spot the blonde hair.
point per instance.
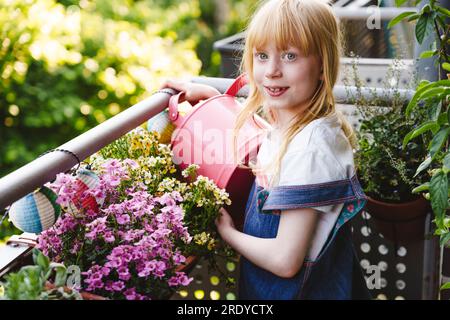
(310, 26)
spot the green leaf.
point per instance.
(446, 161)
(429, 125)
(439, 194)
(422, 87)
(445, 286)
(428, 54)
(421, 188)
(413, 17)
(422, 83)
(407, 138)
(444, 11)
(56, 265)
(444, 239)
(423, 26)
(438, 141)
(425, 164)
(399, 18)
(61, 276)
(435, 111)
(446, 66)
(431, 93)
(41, 260)
(443, 118)
(398, 3)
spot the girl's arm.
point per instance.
(283, 255)
(194, 92)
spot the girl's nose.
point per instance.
(273, 70)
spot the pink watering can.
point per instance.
(204, 136)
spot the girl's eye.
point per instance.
(261, 56)
(290, 56)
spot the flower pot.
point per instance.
(187, 266)
(400, 222)
(91, 296)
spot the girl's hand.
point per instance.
(224, 222)
(194, 92)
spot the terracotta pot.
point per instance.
(187, 266)
(91, 296)
(400, 222)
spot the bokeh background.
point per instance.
(66, 66)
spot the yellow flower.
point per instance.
(211, 244)
(2, 291)
(201, 238)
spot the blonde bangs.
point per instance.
(274, 24)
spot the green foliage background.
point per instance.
(66, 66)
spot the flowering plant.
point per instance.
(131, 231)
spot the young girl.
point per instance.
(296, 242)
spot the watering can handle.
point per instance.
(173, 106)
(238, 83)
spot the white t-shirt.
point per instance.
(319, 153)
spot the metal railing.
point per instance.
(44, 169)
(363, 13)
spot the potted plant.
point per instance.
(385, 169)
(131, 224)
(433, 96)
(32, 282)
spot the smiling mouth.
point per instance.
(275, 91)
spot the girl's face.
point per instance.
(286, 79)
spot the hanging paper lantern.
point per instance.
(86, 180)
(36, 211)
(161, 124)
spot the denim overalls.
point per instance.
(336, 273)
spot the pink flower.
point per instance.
(124, 273)
(118, 286)
(123, 218)
(108, 286)
(160, 268)
(147, 269)
(105, 271)
(180, 278)
(178, 258)
(96, 227)
(109, 237)
(130, 294)
(166, 199)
